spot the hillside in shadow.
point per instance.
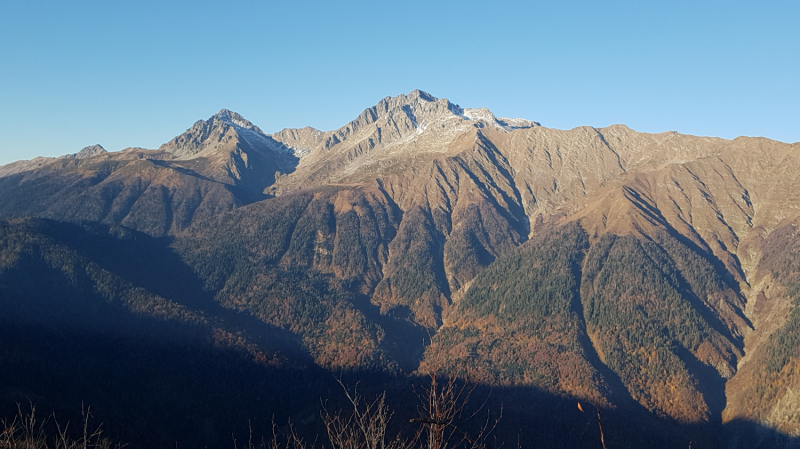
(154, 393)
(115, 319)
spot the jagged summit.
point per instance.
(421, 94)
(235, 119)
(230, 149)
(405, 124)
(221, 132)
(418, 108)
(423, 112)
(416, 124)
(92, 150)
(415, 98)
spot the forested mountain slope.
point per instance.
(647, 273)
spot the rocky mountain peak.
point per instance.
(230, 149)
(418, 106)
(235, 119)
(396, 128)
(91, 150)
(222, 131)
(417, 93)
(423, 109)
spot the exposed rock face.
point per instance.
(92, 150)
(629, 269)
(216, 134)
(395, 132)
(231, 150)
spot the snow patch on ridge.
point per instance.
(241, 123)
(509, 124)
(479, 114)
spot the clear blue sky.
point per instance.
(137, 73)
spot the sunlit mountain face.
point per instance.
(233, 276)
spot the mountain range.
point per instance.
(653, 275)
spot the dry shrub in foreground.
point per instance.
(289, 440)
(442, 414)
(364, 426)
(26, 431)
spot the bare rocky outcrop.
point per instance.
(90, 151)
